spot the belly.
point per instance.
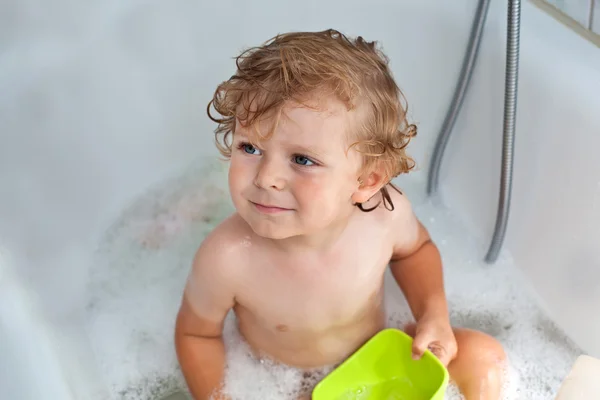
(301, 341)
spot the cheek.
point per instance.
(238, 174)
(321, 193)
(310, 186)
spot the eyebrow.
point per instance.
(246, 137)
(307, 150)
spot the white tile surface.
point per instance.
(596, 19)
(579, 10)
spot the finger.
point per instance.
(420, 344)
(441, 353)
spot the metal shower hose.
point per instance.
(510, 106)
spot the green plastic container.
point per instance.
(383, 369)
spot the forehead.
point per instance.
(323, 124)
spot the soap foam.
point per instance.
(143, 262)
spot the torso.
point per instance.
(315, 310)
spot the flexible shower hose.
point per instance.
(510, 113)
(459, 94)
(510, 106)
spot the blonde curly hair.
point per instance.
(293, 66)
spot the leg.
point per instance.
(480, 364)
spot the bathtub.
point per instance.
(100, 102)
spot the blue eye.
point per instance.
(301, 160)
(248, 148)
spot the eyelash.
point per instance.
(241, 146)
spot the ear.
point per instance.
(369, 184)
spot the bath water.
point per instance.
(142, 263)
(383, 391)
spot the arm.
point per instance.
(417, 268)
(200, 354)
(416, 265)
(207, 298)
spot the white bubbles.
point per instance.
(496, 300)
(142, 265)
(138, 278)
(452, 393)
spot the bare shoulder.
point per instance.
(213, 282)
(394, 210)
(217, 269)
(404, 228)
(402, 211)
(223, 246)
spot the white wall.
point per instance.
(100, 99)
(554, 228)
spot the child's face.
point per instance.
(299, 181)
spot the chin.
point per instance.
(268, 231)
(276, 228)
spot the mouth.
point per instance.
(269, 209)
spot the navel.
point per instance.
(282, 328)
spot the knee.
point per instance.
(480, 363)
(480, 347)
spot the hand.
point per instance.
(435, 334)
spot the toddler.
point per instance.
(315, 128)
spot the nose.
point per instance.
(270, 175)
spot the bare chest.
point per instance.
(316, 293)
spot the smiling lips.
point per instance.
(268, 209)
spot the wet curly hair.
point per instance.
(296, 66)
